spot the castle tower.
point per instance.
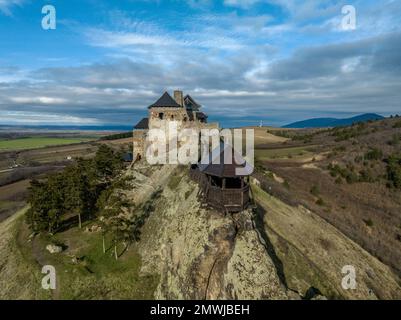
(179, 97)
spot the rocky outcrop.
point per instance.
(274, 252)
(201, 254)
(52, 248)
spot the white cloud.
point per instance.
(103, 38)
(240, 3)
(234, 64)
(6, 5)
(34, 118)
(38, 100)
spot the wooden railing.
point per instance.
(228, 197)
(222, 199)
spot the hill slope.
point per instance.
(188, 251)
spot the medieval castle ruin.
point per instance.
(184, 111)
(221, 186)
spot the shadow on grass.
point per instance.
(259, 214)
(72, 222)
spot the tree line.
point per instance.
(86, 190)
(118, 136)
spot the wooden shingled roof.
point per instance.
(165, 101)
(224, 169)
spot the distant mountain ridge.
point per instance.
(333, 122)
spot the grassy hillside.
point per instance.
(325, 200)
(20, 276)
(183, 244)
(313, 252)
(344, 176)
(82, 271)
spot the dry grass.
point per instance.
(19, 277)
(345, 205)
(321, 251)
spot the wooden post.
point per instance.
(224, 183)
(242, 193)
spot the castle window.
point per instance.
(161, 115)
(172, 117)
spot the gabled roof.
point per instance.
(225, 169)
(201, 115)
(191, 103)
(165, 101)
(143, 124)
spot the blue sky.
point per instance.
(244, 61)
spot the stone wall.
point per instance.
(160, 118)
(139, 137)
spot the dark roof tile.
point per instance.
(143, 124)
(165, 101)
(191, 104)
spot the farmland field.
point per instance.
(37, 142)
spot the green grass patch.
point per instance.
(4, 204)
(83, 271)
(38, 142)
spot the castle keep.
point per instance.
(220, 185)
(185, 111)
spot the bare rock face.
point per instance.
(53, 248)
(251, 273)
(201, 254)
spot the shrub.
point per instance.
(315, 190)
(368, 222)
(286, 184)
(394, 170)
(339, 180)
(366, 176)
(374, 154)
(397, 125)
(351, 178)
(346, 173)
(320, 202)
(395, 140)
(342, 134)
(118, 136)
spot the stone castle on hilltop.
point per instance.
(221, 186)
(185, 111)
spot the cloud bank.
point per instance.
(240, 64)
